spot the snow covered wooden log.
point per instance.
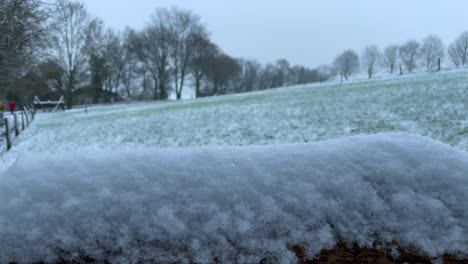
(236, 204)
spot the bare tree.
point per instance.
(325, 72)
(282, 73)
(250, 74)
(370, 58)
(185, 28)
(204, 55)
(409, 54)
(266, 76)
(153, 47)
(131, 67)
(223, 70)
(105, 53)
(22, 37)
(432, 51)
(458, 51)
(95, 50)
(347, 63)
(390, 56)
(115, 60)
(70, 23)
(453, 55)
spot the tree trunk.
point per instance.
(157, 89)
(162, 75)
(69, 95)
(401, 70)
(182, 79)
(216, 86)
(198, 77)
(128, 90)
(162, 87)
(438, 64)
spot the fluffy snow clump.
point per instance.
(235, 204)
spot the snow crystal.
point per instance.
(235, 204)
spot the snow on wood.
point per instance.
(235, 203)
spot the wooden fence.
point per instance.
(13, 126)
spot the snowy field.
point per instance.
(432, 105)
(114, 183)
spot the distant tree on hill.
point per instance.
(105, 56)
(131, 65)
(69, 38)
(185, 29)
(152, 47)
(325, 72)
(370, 59)
(115, 60)
(409, 54)
(347, 63)
(223, 71)
(458, 51)
(250, 74)
(266, 76)
(282, 73)
(453, 55)
(95, 51)
(432, 50)
(138, 76)
(390, 56)
(204, 55)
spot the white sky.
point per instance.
(307, 32)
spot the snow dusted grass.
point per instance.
(102, 185)
(433, 105)
(234, 204)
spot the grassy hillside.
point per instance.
(433, 105)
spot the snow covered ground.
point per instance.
(113, 184)
(237, 204)
(433, 105)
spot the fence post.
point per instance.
(27, 118)
(7, 134)
(31, 111)
(15, 124)
(22, 120)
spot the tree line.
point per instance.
(428, 54)
(59, 49)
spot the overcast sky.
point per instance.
(307, 32)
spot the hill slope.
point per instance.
(433, 105)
